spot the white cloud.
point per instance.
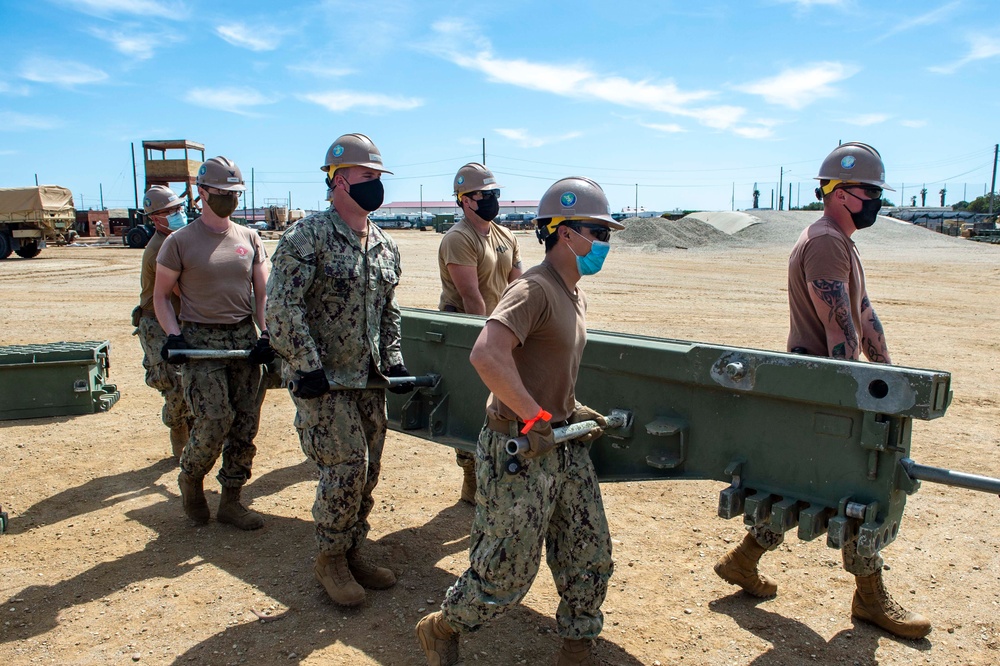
(13, 90)
(249, 37)
(233, 100)
(757, 132)
(320, 71)
(866, 119)
(799, 87)
(915, 124)
(344, 100)
(927, 18)
(575, 80)
(60, 72)
(667, 128)
(525, 140)
(981, 47)
(135, 44)
(11, 121)
(175, 10)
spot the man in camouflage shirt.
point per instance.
(333, 317)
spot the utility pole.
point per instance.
(732, 202)
(484, 151)
(253, 200)
(789, 196)
(798, 196)
(637, 199)
(993, 185)
(421, 204)
(781, 181)
(101, 185)
(289, 200)
(135, 178)
(36, 180)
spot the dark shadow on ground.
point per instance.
(793, 642)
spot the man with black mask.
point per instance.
(477, 259)
(832, 316)
(333, 318)
(219, 269)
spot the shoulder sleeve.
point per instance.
(170, 256)
(523, 307)
(291, 277)
(456, 248)
(260, 254)
(826, 257)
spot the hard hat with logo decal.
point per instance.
(474, 177)
(353, 150)
(574, 198)
(160, 197)
(854, 162)
(222, 174)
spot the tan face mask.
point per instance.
(223, 205)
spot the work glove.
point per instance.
(584, 413)
(311, 384)
(399, 370)
(262, 352)
(174, 342)
(541, 439)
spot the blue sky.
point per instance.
(676, 102)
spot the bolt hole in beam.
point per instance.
(878, 389)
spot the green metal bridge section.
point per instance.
(802, 442)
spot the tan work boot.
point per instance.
(332, 571)
(233, 513)
(178, 439)
(469, 485)
(739, 567)
(578, 652)
(367, 574)
(438, 639)
(193, 497)
(872, 603)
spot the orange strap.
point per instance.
(542, 415)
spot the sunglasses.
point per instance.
(479, 195)
(598, 231)
(871, 191)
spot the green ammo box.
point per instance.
(55, 379)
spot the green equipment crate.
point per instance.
(55, 379)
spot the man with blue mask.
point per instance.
(528, 355)
(166, 211)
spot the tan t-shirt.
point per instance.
(494, 257)
(148, 276)
(551, 324)
(216, 268)
(822, 252)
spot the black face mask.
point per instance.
(488, 208)
(865, 217)
(369, 194)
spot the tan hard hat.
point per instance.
(575, 198)
(353, 150)
(474, 177)
(160, 197)
(222, 174)
(854, 162)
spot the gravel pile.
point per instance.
(776, 228)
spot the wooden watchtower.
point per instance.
(163, 169)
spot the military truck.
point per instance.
(32, 216)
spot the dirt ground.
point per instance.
(100, 566)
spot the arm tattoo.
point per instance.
(832, 293)
(875, 347)
(865, 303)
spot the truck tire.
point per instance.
(28, 250)
(5, 248)
(136, 238)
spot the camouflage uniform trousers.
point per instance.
(555, 500)
(343, 432)
(222, 396)
(162, 376)
(853, 562)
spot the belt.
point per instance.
(219, 327)
(512, 428)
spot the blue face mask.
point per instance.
(176, 220)
(593, 261)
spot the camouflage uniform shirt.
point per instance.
(332, 301)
